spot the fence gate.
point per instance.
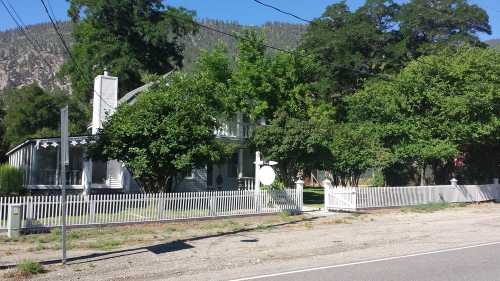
(340, 198)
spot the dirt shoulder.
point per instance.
(233, 248)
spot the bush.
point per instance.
(30, 267)
(11, 180)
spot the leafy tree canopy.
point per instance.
(354, 149)
(296, 144)
(427, 26)
(261, 82)
(169, 130)
(382, 36)
(127, 37)
(438, 105)
(32, 112)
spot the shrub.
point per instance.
(11, 180)
(30, 267)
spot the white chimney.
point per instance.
(105, 99)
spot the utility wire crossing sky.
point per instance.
(247, 12)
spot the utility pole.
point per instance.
(64, 163)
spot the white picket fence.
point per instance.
(45, 211)
(354, 198)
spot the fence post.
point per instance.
(299, 189)
(14, 220)
(327, 184)
(355, 198)
(496, 186)
(454, 182)
(29, 212)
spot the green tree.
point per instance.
(354, 149)
(429, 25)
(130, 38)
(352, 46)
(296, 144)
(437, 107)
(169, 130)
(381, 37)
(32, 112)
(263, 82)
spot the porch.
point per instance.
(40, 161)
(236, 173)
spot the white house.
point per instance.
(39, 158)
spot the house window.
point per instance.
(188, 174)
(46, 167)
(75, 168)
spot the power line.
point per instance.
(229, 34)
(282, 11)
(24, 32)
(52, 11)
(310, 21)
(66, 48)
(362, 73)
(60, 36)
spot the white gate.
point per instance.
(340, 198)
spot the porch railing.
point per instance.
(51, 177)
(235, 130)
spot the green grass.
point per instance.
(314, 197)
(105, 245)
(430, 208)
(30, 267)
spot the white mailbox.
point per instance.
(14, 220)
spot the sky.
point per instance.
(246, 12)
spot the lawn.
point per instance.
(314, 197)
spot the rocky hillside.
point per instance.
(21, 65)
(495, 43)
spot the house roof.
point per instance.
(46, 140)
(130, 96)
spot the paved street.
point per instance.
(477, 263)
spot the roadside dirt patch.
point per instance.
(231, 248)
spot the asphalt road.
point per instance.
(475, 262)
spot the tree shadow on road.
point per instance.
(162, 248)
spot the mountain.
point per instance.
(495, 43)
(20, 64)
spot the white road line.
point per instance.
(368, 261)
